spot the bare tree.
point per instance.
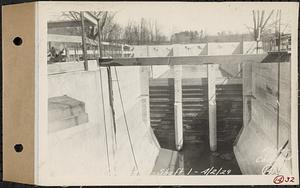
(259, 23)
(267, 31)
(107, 26)
(144, 32)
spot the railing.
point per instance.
(63, 48)
(275, 43)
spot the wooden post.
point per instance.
(94, 52)
(113, 144)
(67, 52)
(212, 112)
(122, 50)
(178, 107)
(242, 46)
(99, 39)
(83, 41)
(75, 52)
(113, 117)
(279, 34)
(104, 51)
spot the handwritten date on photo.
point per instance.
(208, 171)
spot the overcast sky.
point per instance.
(211, 17)
(172, 17)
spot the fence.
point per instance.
(65, 48)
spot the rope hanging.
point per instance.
(111, 99)
(125, 119)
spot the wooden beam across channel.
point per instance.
(183, 60)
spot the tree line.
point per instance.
(146, 31)
(134, 32)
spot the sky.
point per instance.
(172, 17)
(211, 17)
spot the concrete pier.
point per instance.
(212, 110)
(178, 107)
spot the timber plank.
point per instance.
(183, 60)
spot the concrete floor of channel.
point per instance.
(197, 159)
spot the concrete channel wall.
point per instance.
(264, 141)
(211, 48)
(133, 125)
(92, 150)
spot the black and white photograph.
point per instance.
(168, 89)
